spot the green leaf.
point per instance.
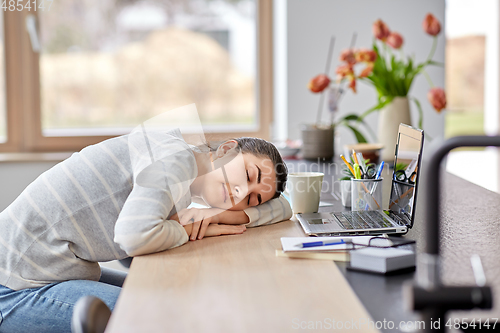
(350, 117)
(393, 63)
(436, 63)
(400, 166)
(345, 178)
(420, 112)
(357, 119)
(409, 67)
(383, 101)
(360, 137)
(347, 172)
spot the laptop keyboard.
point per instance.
(363, 220)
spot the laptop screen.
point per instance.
(405, 174)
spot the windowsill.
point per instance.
(34, 157)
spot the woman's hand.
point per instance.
(218, 229)
(200, 218)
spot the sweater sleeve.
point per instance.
(270, 212)
(143, 227)
(158, 191)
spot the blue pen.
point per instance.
(312, 244)
(379, 171)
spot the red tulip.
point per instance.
(437, 98)
(380, 30)
(366, 55)
(348, 56)
(395, 40)
(431, 25)
(319, 83)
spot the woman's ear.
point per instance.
(226, 147)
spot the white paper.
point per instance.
(289, 244)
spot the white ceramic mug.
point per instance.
(304, 189)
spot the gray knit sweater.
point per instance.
(109, 201)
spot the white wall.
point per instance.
(309, 25)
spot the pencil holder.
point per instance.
(345, 192)
(366, 194)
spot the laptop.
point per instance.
(399, 216)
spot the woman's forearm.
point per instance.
(233, 217)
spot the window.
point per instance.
(472, 87)
(465, 67)
(103, 67)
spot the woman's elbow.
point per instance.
(136, 245)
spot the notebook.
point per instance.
(399, 216)
(291, 248)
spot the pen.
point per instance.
(379, 171)
(348, 165)
(321, 243)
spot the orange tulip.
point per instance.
(431, 25)
(380, 30)
(348, 56)
(345, 70)
(319, 83)
(352, 84)
(367, 71)
(395, 40)
(366, 55)
(437, 98)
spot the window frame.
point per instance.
(24, 124)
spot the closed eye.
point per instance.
(248, 178)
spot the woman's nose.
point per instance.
(240, 191)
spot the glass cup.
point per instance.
(304, 189)
(366, 194)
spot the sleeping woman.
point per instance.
(125, 197)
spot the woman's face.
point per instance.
(239, 181)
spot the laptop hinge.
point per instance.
(397, 219)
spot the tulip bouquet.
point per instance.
(390, 74)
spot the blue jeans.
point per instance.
(49, 308)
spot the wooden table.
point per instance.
(235, 284)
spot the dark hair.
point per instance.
(261, 147)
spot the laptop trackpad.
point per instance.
(322, 222)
